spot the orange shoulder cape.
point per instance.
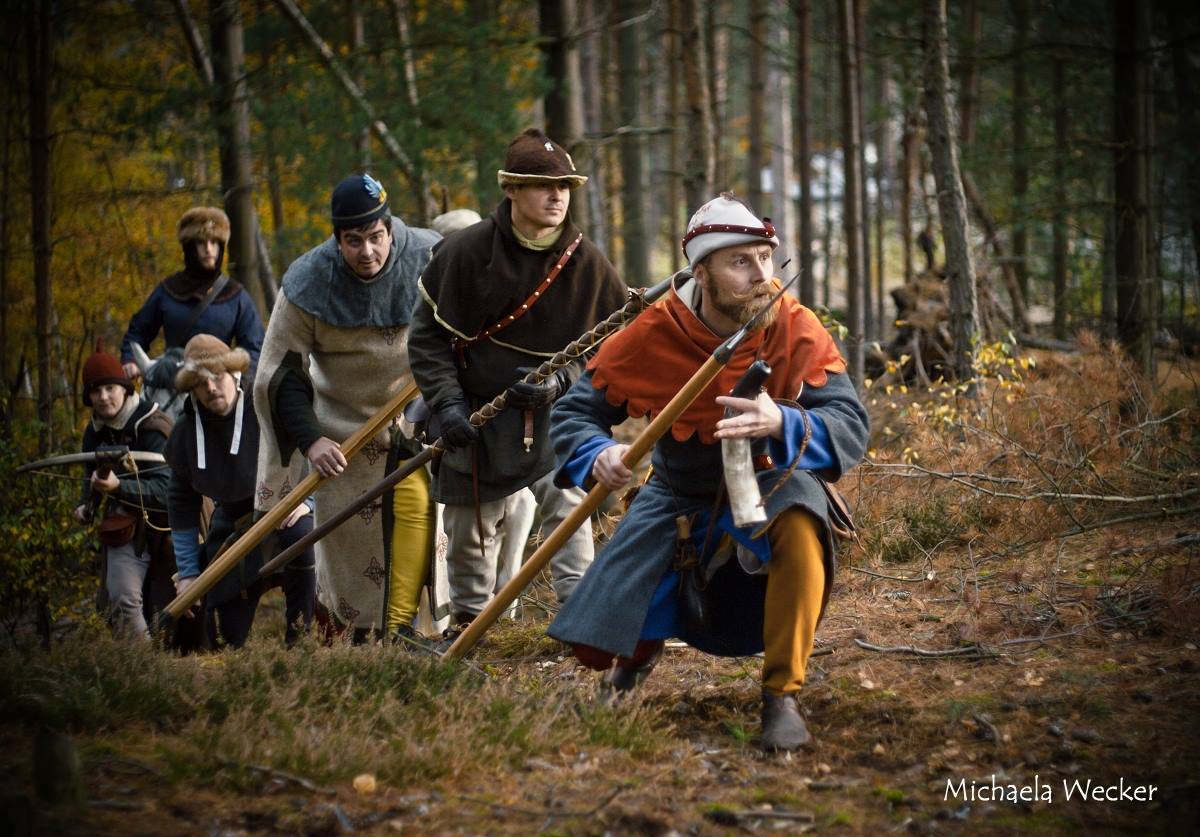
(644, 365)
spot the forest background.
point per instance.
(1023, 595)
(1075, 127)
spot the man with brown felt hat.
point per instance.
(199, 299)
(136, 554)
(497, 299)
(213, 453)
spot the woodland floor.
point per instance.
(1063, 657)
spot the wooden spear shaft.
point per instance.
(229, 559)
(640, 447)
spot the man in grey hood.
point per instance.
(336, 351)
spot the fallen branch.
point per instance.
(960, 479)
(282, 775)
(972, 650)
(924, 577)
(867, 464)
(1182, 540)
(723, 816)
(548, 814)
(1160, 514)
(987, 724)
(1026, 640)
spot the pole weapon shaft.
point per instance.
(639, 301)
(229, 559)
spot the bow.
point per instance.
(108, 455)
(637, 449)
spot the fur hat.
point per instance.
(206, 357)
(358, 201)
(100, 369)
(454, 220)
(724, 222)
(533, 157)
(203, 223)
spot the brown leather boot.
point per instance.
(783, 726)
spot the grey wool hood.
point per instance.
(322, 284)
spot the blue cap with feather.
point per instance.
(357, 201)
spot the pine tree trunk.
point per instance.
(11, 108)
(779, 87)
(852, 194)
(717, 49)
(698, 166)
(591, 75)
(1020, 165)
(1183, 66)
(756, 139)
(672, 39)
(232, 111)
(419, 179)
(1061, 151)
(883, 175)
(827, 235)
(563, 102)
(1134, 315)
(358, 42)
(802, 133)
(969, 83)
(40, 57)
(952, 203)
(633, 190)
(860, 48)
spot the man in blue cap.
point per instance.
(336, 351)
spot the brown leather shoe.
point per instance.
(783, 726)
(619, 681)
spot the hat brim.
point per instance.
(509, 178)
(210, 366)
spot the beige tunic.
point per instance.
(354, 372)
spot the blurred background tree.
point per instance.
(1076, 133)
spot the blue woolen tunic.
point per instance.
(628, 592)
(234, 320)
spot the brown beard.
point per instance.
(741, 308)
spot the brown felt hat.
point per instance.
(206, 357)
(203, 223)
(533, 157)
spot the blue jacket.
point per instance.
(234, 320)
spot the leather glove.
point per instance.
(457, 430)
(525, 396)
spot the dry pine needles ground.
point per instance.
(1021, 602)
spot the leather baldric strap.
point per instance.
(208, 300)
(460, 344)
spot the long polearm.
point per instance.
(640, 447)
(639, 300)
(229, 559)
